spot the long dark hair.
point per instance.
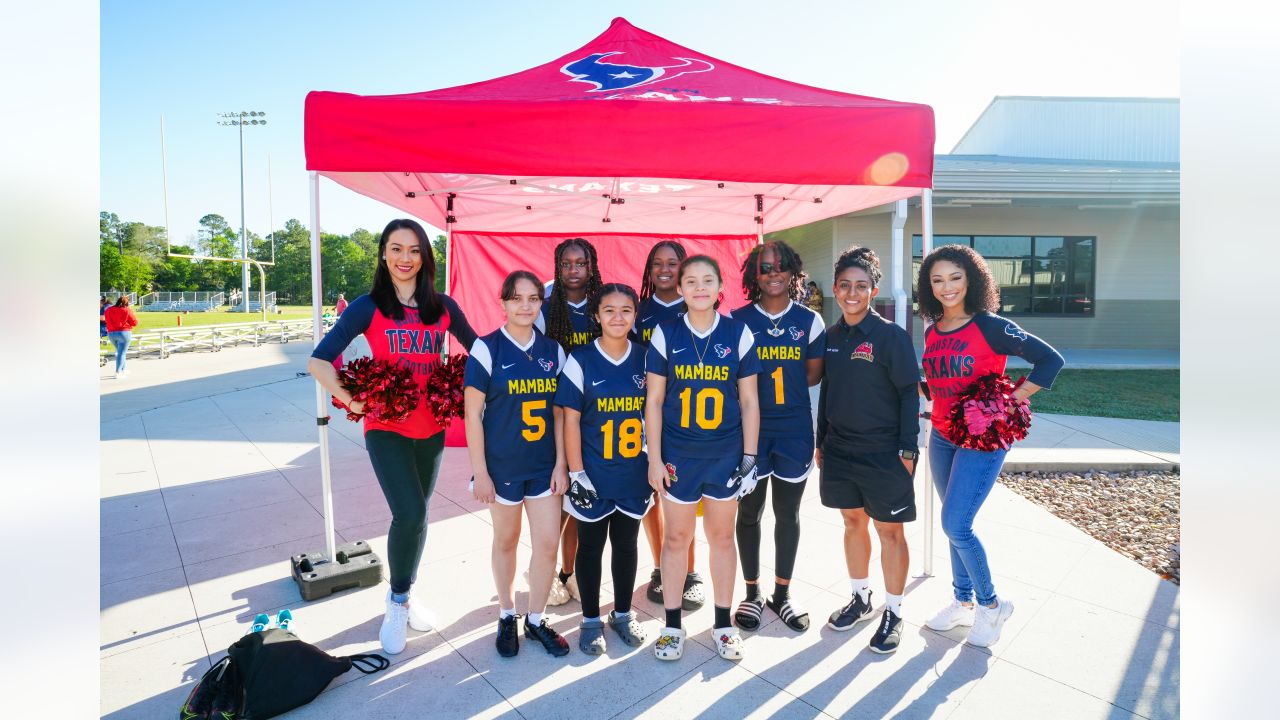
(508, 290)
(646, 284)
(383, 293)
(982, 293)
(122, 301)
(559, 328)
(787, 259)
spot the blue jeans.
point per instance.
(120, 339)
(964, 479)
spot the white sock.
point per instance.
(894, 603)
(535, 619)
(504, 613)
(861, 587)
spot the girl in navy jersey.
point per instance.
(966, 341)
(660, 300)
(515, 440)
(602, 393)
(565, 318)
(702, 419)
(404, 321)
(789, 340)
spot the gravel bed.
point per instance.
(1133, 513)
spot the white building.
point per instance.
(1074, 202)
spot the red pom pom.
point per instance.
(444, 389)
(389, 392)
(987, 417)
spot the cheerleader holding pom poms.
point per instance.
(702, 421)
(602, 393)
(515, 441)
(965, 345)
(404, 321)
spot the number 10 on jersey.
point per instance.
(710, 407)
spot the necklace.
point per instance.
(774, 331)
(693, 339)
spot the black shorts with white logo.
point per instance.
(878, 482)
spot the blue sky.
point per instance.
(190, 61)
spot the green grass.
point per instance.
(1134, 394)
(166, 320)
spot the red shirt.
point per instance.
(120, 318)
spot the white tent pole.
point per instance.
(900, 306)
(926, 246)
(322, 395)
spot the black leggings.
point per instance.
(786, 529)
(406, 469)
(621, 530)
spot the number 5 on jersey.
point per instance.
(537, 425)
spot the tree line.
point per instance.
(132, 258)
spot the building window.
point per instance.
(1038, 275)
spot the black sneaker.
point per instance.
(550, 639)
(508, 637)
(888, 634)
(855, 612)
(654, 593)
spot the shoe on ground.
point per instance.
(591, 637)
(654, 593)
(508, 636)
(284, 621)
(694, 595)
(988, 622)
(559, 594)
(572, 587)
(728, 642)
(670, 645)
(855, 612)
(791, 613)
(888, 633)
(749, 613)
(951, 616)
(395, 627)
(551, 640)
(628, 628)
(260, 622)
(420, 616)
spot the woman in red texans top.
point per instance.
(966, 341)
(404, 320)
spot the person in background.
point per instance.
(103, 304)
(341, 305)
(813, 300)
(120, 322)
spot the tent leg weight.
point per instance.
(356, 566)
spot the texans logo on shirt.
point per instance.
(638, 380)
(864, 352)
(1016, 332)
(796, 333)
(546, 364)
(721, 351)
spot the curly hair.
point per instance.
(559, 328)
(859, 257)
(788, 260)
(982, 294)
(646, 284)
(593, 305)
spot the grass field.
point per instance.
(1135, 394)
(165, 320)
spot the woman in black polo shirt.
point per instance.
(867, 427)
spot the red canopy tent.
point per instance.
(626, 140)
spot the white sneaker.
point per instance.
(420, 616)
(122, 374)
(395, 625)
(559, 594)
(988, 622)
(953, 615)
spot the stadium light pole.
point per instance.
(240, 119)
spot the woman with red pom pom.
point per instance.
(404, 321)
(966, 342)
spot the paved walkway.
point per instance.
(210, 482)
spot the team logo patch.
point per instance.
(864, 352)
(609, 76)
(671, 472)
(796, 333)
(546, 364)
(638, 380)
(1015, 332)
(721, 351)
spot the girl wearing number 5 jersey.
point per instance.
(702, 418)
(515, 440)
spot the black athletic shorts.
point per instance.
(878, 482)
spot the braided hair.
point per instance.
(646, 284)
(788, 260)
(559, 328)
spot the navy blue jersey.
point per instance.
(701, 417)
(584, 328)
(784, 343)
(610, 396)
(653, 311)
(519, 386)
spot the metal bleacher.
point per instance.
(181, 301)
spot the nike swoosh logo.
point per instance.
(646, 319)
(595, 383)
(504, 367)
(673, 352)
(756, 332)
(895, 512)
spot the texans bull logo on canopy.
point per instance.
(616, 76)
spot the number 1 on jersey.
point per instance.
(779, 398)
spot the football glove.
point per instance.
(581, 492)
(744, 477)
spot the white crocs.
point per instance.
(670, 645)
(728, 642)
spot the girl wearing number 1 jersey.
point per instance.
(702, 418)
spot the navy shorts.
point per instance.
(635, 507)
(514, 493)
(878, 482)
(696, 478)
(787, 459)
